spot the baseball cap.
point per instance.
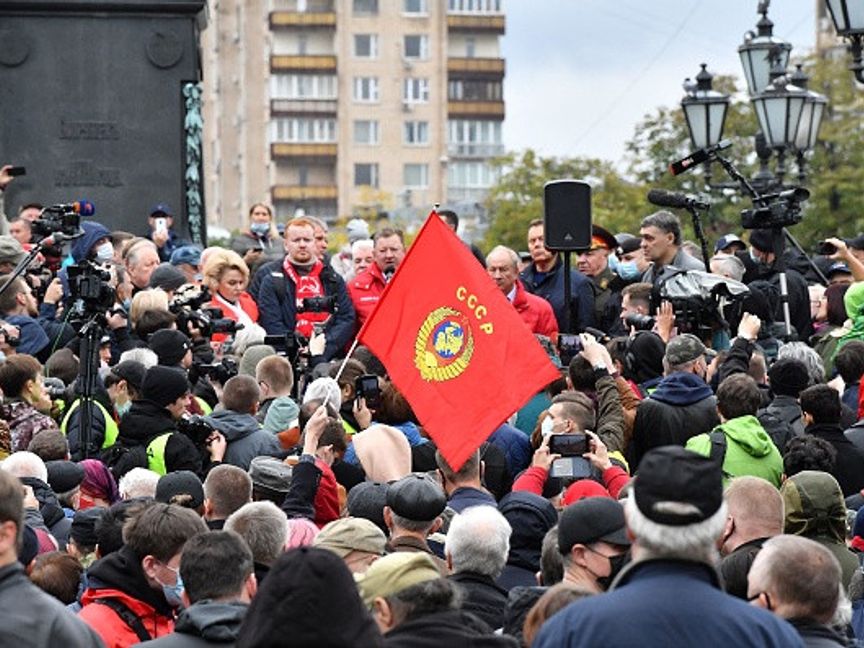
(180, 482)
(684, 348)
(83, 529)
(394, 573)
(161, 208)
(167, 277)
(64, 476)
(416, 497)
(131, 371)
(725, 241)
(349, 534)
(592, 519)
(856, 243)
(189, 254)
(838, 268)
(677, 487)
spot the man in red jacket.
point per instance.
(366, 288)
(135, 590)
(502, 264)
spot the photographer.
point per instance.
(150, 431)
(304, 294)
(38, 330)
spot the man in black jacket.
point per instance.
(216, 569)
(821, 409)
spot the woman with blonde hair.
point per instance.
(227, 275)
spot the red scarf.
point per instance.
(308, 285)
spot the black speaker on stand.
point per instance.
(567, 227)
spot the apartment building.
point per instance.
(346, 107)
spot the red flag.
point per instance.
(453, 344)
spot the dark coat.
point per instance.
(681, 407)
(817, 635)
(49, 507)
(530, 516)
(520, 600)
(550, 286)
(453, 628)
(206, 623)
(32, 618)
(666, 603)
(849, 467)
(278, 313)
(482, 597)
(145, 421)
(735, 567)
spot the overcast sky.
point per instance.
(582, 73)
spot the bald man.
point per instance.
(502, 264)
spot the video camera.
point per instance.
(776, 210)
(188, 306)
(90, 293)
(195, 428)
(220, 372)
(65, 219)
(324, 304)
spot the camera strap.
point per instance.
(718, 449)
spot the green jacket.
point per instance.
(749, 450)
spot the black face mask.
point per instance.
(616, 564)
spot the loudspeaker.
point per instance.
(567, 215)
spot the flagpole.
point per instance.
(342, 368)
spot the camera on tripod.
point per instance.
(89, 290)
(188, 306)
(783, 210)
(65, 219)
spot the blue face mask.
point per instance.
(123, 409)
(127, 304)
(174, 593)
(628, 270)
(259, 229)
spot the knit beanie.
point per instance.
(164, 385)
(788, 377)
(252, 356)
(170, 346)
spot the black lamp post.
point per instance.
(761, 52)
(848, 17)
(811, 120)
(705, 111)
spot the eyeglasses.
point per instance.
(768, 604)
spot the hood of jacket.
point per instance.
(49, 506)
(520, 600)
(93, 231)
(120, 575)
(853, 300)
(681, 388)
(33, 337)
(211, 621)
(281, 415)
(814, 506)
(748, 433)
(233, 425)
(144, 421)
(530, 516)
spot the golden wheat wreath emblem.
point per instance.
(444, 345)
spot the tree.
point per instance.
(517, 198)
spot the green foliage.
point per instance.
(517, 198)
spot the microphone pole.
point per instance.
(48, 241)
(700, 235)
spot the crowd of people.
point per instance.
(695, 476)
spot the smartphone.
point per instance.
(568, 445)
(575, 467)
(16, 171)
(367, 388)
(161, 225)
(825, 248)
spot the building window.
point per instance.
(416, 46)
(302, 86)
(415, 7)
(475, 137)
(471, 175)
(303, 130)
(471, 90)
(415, 176)
(366, 175)
(416, 133)
(302, 45)
(366, 131)
(303, 175)
(415, 90)
(366, 46)
(470, 47)
(365, 6)
(474, 6)
(366, 89)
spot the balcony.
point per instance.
(288, 19)
(475, 66)
(492, 24)
(489, 109)
(296, 192)
(305, 150)
(465, 150)
(299, 63)
(303, 106)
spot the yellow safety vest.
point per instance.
(156, 453)
(111, 429)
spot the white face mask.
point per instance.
(105, 252)
(546, 426)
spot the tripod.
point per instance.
(85, 384)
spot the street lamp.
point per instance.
(848, 19)
(704, 109)
(811, 120)
(761, 52)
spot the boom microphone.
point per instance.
(82, 207)
(698, 157)
(675, 200)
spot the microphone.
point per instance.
(675, 200)
(698, 157)
(82, 207)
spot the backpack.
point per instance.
(127, 616)
(120, 458)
